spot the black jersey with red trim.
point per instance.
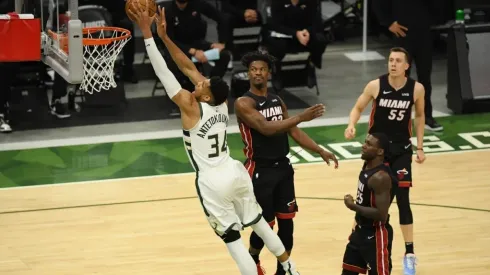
(391, 113)
(257, 145)
(365, 194)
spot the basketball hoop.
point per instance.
(101, 46)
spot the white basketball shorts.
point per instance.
(227, 196)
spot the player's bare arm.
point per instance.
(381, 185)
(369, 93)
(184, 99)
(245, 110)
(419, 99)
(305, 141)
(180, 58)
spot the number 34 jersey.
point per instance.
(205, 143)
(391, 113)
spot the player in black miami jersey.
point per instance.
(369, 247)
(393, 97)
(264, 125)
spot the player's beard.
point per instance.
(259, 86)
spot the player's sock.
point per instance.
(289, 267)
(409, 248)
(255, 258)
(240, 254)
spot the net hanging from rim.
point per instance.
(101, 47)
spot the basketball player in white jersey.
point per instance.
(223, 184)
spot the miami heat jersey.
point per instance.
(391, 113)
(365, 195)
(206, 142)
(257, 145)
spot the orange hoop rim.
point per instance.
(125, 34)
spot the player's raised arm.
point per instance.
(180, 58)
(369, 93)
(419, 94)
(245, 110)
(181, 97)
(381, 185)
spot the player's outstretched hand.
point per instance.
(349, 201)
(313, 112)
(350, 132)
(327, 156)
(161, 22)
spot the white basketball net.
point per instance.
(99, 60)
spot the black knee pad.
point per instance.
(285, 232)
(230, 236)
(256, 242)
(403, 202)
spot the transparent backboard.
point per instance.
(61, 38)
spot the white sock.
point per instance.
(242, 258)
(270, 238)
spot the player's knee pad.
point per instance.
(256, 242)
(403, 202)
(230, 236)
(285, 232)
(348, 272)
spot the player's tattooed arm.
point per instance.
(381, 185)
(245, 110)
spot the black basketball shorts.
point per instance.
(369, 250)
(273, 184)
(401, 163)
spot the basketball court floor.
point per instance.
(155, 225)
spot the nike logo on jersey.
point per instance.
(405, 94)
(386, 92)
(408, 146)
(262, 103)
(394, 103)
(370, 237)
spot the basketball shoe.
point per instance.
(260, 269)
(409, 263)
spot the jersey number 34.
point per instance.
(216, 146)
(397, 114)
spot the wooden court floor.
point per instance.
(156, 225)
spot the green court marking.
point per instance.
(57, 165)
(195, 197)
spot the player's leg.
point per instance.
(249, 211)
(285, 207)
(214, 193)
(353, 262)
(263, 186)
(376, 249)
(402, 166)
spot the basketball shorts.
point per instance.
(273, 184)
(227, 197)
(401, 163)
(369, 250)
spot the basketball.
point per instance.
(149, 5)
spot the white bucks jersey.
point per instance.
(206, 142)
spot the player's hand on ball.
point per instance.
(349, 201)
(161, 22)
(141, 16)
(327, 156)
(350, 132)
(313, 112)
(420, 156)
